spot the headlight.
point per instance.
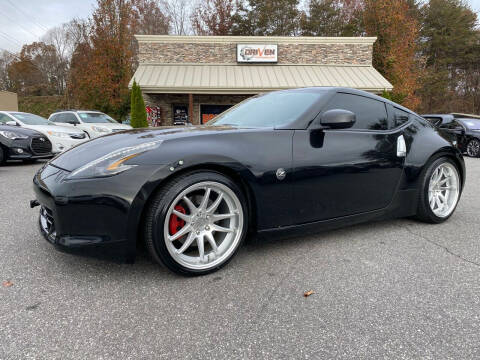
(12, 136)
(112, 163)
(58, 134)
(100, 129)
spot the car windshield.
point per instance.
(31, 119)
(269, 110)
(473, 124)
(96, 118)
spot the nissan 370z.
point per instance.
(303, 159)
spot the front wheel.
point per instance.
(196, 223)
(473, 148)
(440, 191)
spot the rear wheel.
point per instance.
(473, 148)
(196, 223)
(440, 191)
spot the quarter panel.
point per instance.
(423, 141)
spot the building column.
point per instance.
(190, 108)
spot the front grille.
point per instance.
(77, 136)
(41, 145)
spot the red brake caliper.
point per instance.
(175, 223)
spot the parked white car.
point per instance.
(62, 138)
(94, 123)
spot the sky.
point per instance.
(25, 21)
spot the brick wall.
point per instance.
(166, 101)
(226, 53)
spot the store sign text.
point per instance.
(256, 53)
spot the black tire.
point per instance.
(424, 212)
(473, 148)
(2, 156)
(157, 211)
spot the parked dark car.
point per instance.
(465, 130)
(18, 143)
(439, 119)
(293, 160)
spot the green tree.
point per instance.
(451, 52)
(332, 18)
(266, 18)
(137, 106)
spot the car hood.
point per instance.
(110, 125)
(20, 130)
(61, 129)
(101, 146)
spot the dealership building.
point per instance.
(193, 78)
(8, 101)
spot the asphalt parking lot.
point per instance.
(393, 289)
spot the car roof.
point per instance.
(16, 112)
(468, 119)
(73, 110)
(306, 119)
(465, 116)
(443, 116)
(352, 91)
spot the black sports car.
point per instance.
(304, 159)
(465, 130)
(18, 143)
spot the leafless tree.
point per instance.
(152, 17)
(5, 59)
(67, 37)
(213, 17)
(179, 14)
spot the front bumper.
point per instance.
(21, 149)
(90, 214)
(64, 144)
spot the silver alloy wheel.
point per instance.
(444, 189)
(212, 223)
(473, 148)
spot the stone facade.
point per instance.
(167, 101)
(223, 50)
(226, 53)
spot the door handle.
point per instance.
(401, 147)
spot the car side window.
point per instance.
(446, 124)
(434, 120)
(69, 118)
(370, 114)
(400, 117)
(55, 118)
(4, 118)
(451, 125)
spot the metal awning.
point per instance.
(253, 79)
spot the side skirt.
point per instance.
(404, 204)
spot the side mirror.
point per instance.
(73, 122)
(337, 119)
(11, 123)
